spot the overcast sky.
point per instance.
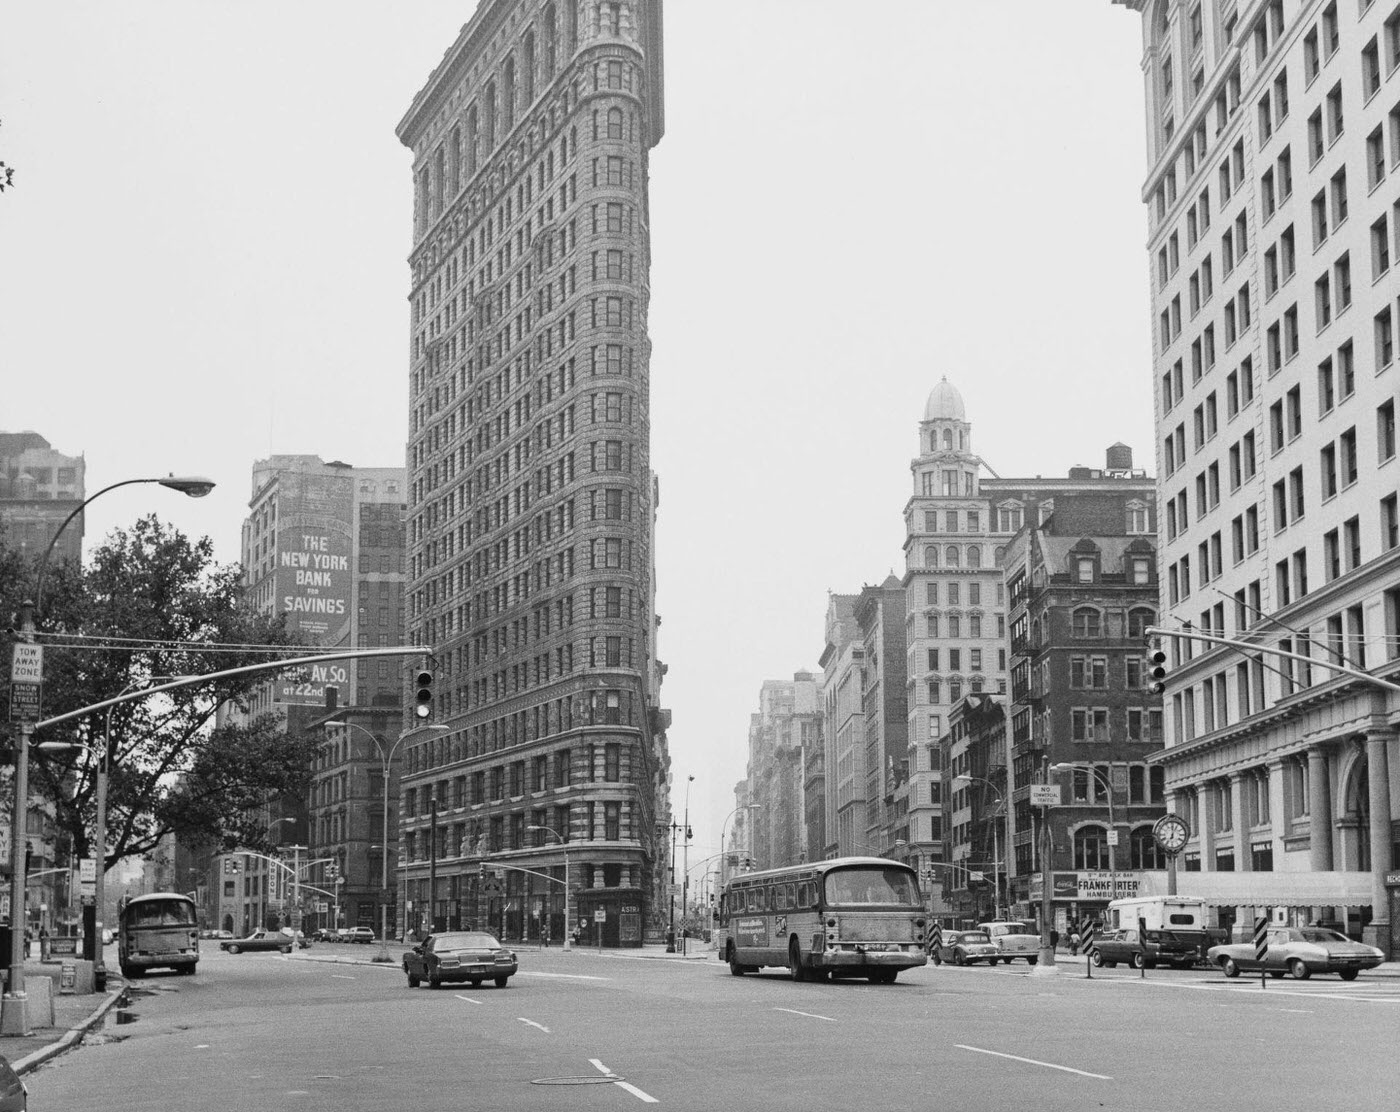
(202, 262)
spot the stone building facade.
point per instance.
(532, 500)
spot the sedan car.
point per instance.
(966, 948)
(258, 940)
(1300, 951)
(357, 934)
(473, 956)
(1160, 948)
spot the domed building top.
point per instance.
(945, 403)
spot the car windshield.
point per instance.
(465, 940)
(160, 913)
(974, 936)
(1322, 934)
(871, 884)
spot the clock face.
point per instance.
(1171, 832)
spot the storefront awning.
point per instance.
(1330, 889)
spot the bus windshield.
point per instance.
(160, 913)
(871, 884)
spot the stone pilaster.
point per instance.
(1319, 810)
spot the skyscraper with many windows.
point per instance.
(532, 501)
(1273, 138)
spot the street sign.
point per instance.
(1045, 795)
(27, 663)
(600, 915)
(24, 702)
(1113, 837)
(87, 876)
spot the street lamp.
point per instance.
(14, 1008)
(996, 850)
(1107, 782)
(384, 759)
(568, 937)
(724, 827)
(685, 868)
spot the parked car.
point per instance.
(965, 948)
(325, 934)
(1014, 939)
(1158, 948)
(357, 934)
(258, 940)
(1300, 951)
(473, 956)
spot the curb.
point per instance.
(70, 1037)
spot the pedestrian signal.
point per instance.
(423, 694)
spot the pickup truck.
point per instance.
(1158, 948)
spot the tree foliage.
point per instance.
(177, 765)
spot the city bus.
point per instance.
(157, 930)
(845, 917)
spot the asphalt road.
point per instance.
(585, 1031)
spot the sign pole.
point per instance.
(1261, 946)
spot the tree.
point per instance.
(152, 603)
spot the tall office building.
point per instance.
(39, 488)
(532, 500)
(1273, 140)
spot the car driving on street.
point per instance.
(1301, 952)
(965, 948)
(258, 940)
(472, 956)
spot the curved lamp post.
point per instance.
(385, 757)
(1106, 781)
(14, 1009)
(568, 937)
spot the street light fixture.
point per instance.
(568, 937)
(14, 1008)
(723, 829)
(385, 757)
(996, 850)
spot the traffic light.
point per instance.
(423, 694)
(1157, 668)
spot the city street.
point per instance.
(614, 1031)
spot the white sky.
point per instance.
(202, 262)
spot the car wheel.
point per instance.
(235, 949)
(1276, 974)
(958, 958)
(1136, 961)
(434, 982)
(1348, 974)
(285, 949)
(936, 958)
(1299, 968)
(501, 982)
(1029, 961)
(1229, 967)
(735, 968)
(795, 961)
(1096, 958)
(413, 981)
(474, 984)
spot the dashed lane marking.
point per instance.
(636, 1092)
(809, 1015)
(532, 1023)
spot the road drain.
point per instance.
(582, 1079)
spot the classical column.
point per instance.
(1240, 829)
(1205, 814)
(1319, 811)
(1378, 779)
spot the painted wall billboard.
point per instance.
(315, 574)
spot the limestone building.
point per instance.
(1273, 145)
(531, 495)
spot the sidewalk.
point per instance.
(73, 1015)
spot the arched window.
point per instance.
(931, 556)
(614, 123)
(999, 556)
(488, 122)
(1144, 851)
(947, 440)
(1087, 622)
(508, 95)
(974, 555)
(454, 163)
(1091, 848)
(1139, 619)
(551, 40)
(527, 63)
(952, 556)
(473, 140)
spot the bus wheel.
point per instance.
(734, 967)
(795, 966)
